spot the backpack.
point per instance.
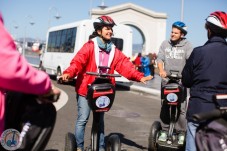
(212, 136)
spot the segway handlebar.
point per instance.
(174, 75)
(220, 111)
(103, 74)
(207, 116)
(170, 76)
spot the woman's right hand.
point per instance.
(65, 77)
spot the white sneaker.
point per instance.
(181, 139)
(163, 136)
(78, 149)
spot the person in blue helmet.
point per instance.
(172, 55)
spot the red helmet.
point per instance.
(217, 21)
(103, 21)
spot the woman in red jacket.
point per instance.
(99, 51)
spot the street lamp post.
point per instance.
(102, 6)
(31, 22)
(57, 16)
(15, 25)
(182, 10)
(91, 1)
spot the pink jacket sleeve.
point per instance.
(15, 73)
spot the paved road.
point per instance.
(130, 117)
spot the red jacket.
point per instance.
(87, 60)
(137, 61)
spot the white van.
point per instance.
(64, 41)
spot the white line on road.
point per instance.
(62, 100)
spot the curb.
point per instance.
(139, 88)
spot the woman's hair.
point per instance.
(139, 54)
(93, 35)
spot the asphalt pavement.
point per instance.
(151, 87)
(129, 118)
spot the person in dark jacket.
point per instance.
(205, 72)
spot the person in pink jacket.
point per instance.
(17, 75)
(98, 51)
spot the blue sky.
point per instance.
(21, 12)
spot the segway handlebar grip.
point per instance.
(114, 75)
(173, 76)
(93, 73)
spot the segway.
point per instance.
(32, 119)
(100, 96)
(212, 131)
(172, 93)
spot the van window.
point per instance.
(29, 44)
(62, 40)
(118, 42)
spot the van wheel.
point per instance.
(59, 81)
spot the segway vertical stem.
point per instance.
(95, 132)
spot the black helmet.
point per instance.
(103, 21)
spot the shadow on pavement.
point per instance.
(126, 141)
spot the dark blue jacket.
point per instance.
(205, 73)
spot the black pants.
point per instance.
(152, 69)
(181, 121)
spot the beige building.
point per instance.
(151, 25)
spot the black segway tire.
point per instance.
(70, 142)
(155, 128)
(113, 143)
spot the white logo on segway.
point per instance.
(102, 101)
(10, 139)
(172, 97)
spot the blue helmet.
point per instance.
(181, 26)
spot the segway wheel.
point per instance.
(113, 143)
(155, 128)
(70, 142)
